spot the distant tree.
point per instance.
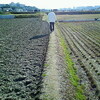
(36, 10)
(6, 6)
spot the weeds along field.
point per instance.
(23, 45)
(83, 40)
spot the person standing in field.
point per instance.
(52, 18)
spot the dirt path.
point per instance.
(56, 85)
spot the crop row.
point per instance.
(81, 50)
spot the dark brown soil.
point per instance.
(23, 46)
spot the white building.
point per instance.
(7, 9)
(19, 10)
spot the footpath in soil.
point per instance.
(56, 84)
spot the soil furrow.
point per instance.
(81, 62)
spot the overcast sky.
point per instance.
(53, 4)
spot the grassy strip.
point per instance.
(35, 15)
(5, 13)
(45, 17)
(28, 15)
(74, 79)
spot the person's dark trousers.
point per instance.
(52, 26)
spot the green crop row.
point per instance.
(74, 79)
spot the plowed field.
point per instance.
(83, 40)
(23, 46)
(69, 71)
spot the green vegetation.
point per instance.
(36, 15)
(72, 71)
(46, 65)
(5, 13)
(45, 17)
